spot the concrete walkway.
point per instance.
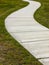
(30, 34)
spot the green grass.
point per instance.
(11, 52)
(42, 14)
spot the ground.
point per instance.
(11, 52)
(42, 14)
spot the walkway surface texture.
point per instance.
(30, 34)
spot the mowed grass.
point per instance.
(11, 52)
(42, 14)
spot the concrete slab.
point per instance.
(45, 61)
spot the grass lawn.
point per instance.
(42, 14)
(11, 52)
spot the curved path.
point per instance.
(30, 34)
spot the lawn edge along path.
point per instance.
(41, 15)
